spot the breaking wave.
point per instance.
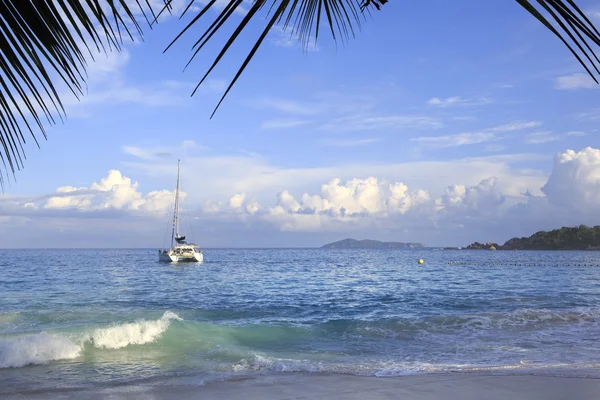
(41, 348)
(141, 332)
(489, 341)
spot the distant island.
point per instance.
(371, 244)
(577, 238)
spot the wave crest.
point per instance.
(141, 332)
(39, 348)
(42, 348)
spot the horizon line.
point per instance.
(216, 248)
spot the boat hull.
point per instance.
(171, 257)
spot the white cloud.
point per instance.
(460, 139)
(591, 115)
(436, 101)
(336, 112)
(593, 14)
(371, 200)
(458, 101)
(106, 85)
(493, 148)
(325, 104)
(575, 81)
(575, 181)
(484, 197)
(283, 123)
(287, 106)
(290, 39)
(469, 138)
(464, 118)
(576, 133)
(337, 204)
(211, 176)
(516, 126)
(188, 148)
(114, 191)
(385, 122)
(220, 4)
(352, 142)
(541, 137)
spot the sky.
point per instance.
(441, 122)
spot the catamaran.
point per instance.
(180, 251)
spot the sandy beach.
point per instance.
(327, 386)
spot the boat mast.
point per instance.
(176, 212)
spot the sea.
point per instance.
(81, 319)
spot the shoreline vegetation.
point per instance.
(582, 237)
(566, 238)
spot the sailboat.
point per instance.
(180, 251)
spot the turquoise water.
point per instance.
(92, 318)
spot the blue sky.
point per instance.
(437, 96)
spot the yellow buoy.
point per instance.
(421, 261)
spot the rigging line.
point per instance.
(175, 216)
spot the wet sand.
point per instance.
(327, 386)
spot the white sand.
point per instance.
(321, 386)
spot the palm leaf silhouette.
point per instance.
(47, 40)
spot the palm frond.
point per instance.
(44, 41)
(303, 17)
(344, 17)
(575, 30)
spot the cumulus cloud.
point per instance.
(483, 197)
(371, 203)
(208, 177)
(113, 192)
(353, 202)
(365, 203)
(575, 181)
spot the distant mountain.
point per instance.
(577, 238)
(371, 244)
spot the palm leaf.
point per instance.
(564, 18)
(43, 41)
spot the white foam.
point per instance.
(42, 348)
(260, 363)
(141, 332)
